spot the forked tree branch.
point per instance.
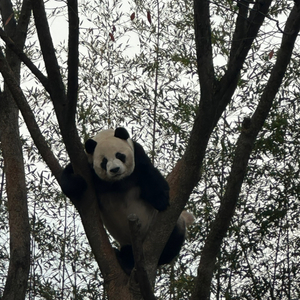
(240, 27)
(87, 206)
(228, 83)
(23, 57)
(29, 117)
(57, 89)
(245, 144)
(215, 96)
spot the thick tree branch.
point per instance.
(186, 174)
(141, 275)
(73, 60)
(228, 83)
(240, 27)
(17, 277)
(87, 206)
(204, 48)
(57, 89)
(245, 144)
(29, 117)
(23, 57)
(23, 22)
(18, 271)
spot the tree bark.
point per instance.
(18, 272)
(245, 144)
(65, 103)
(215, 96)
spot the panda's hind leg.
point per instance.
(125, 258)
(176, 238)
(173, 245)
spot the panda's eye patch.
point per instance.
(121, 157)
(104, 163)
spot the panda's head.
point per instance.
(111, 153)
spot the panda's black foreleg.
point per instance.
(173, 246)
(73, 185)
(125, 258)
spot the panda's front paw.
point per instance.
(73, 185)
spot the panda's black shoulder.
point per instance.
(154, 187)
(140, 157)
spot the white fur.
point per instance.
(116, 209)
(117, 206)
(107, 147)
(188, 218)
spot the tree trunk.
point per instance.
(16, 282)
(18, 272)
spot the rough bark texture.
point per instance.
(65, 103)
(16, 282)
(245, 144)
(215, 96)
(17, 277)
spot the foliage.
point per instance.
(142, 75)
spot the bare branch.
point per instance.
(240, 26)
(245, 144)
(138, 254)
(23, 57)
(204, 48)
(29, 118)
(57, 89)
(73, 59)
(229, 81)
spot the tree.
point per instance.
(12, 151)
(237, 43)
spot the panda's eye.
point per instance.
(104, 163)
(121, 157)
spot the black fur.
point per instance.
(154, 187)
(90, 146)
(154, 190)
(73, 185)
(171, 250)
(121, 133)
(173, 246)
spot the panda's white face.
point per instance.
(113, 158)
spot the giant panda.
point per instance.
(126, 182)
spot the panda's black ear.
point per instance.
(90, 146)
(121, 133)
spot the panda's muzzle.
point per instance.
(114, 170)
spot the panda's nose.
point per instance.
(115, 170)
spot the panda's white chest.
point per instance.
(117, 206)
